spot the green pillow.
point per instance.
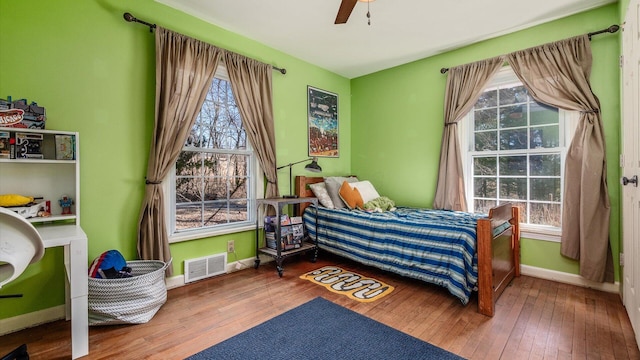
(380, 204)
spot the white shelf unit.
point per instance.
(52, 179)
(47, 178)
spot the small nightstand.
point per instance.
(279, 254)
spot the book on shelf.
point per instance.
(5, 145)
(298, 231)
(270, 222)
(289, 238)
(28, 145)
(64, 147)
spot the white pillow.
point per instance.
(366, 189)
(320, 191)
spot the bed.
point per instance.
(462, 252)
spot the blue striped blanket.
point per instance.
(436, 246)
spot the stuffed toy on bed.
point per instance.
(380, 204)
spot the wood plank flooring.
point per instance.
(535, 319)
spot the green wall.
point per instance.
(397, 117)
(95, 73)
(623, 5)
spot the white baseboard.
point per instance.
(567, 278)
(36, 318)
(31, 319)
(174, 281)
(177, 281)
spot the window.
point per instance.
(515, 153)
(214, 185)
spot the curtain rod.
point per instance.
(611, 29)
(130, 18)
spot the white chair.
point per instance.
(20, 245)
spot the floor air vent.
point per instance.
(204, 267)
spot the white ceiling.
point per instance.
(401, 31)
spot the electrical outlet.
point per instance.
(231, 246)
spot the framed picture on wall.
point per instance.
(322, 122)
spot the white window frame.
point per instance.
(255, 189)
(568, 121)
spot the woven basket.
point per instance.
(133, 300)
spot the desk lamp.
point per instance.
(312, 166)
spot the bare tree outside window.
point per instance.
(516, 152)
(212, 171)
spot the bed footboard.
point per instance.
(498, 255)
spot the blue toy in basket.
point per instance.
(109, 265)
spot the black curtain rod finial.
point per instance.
(281, 70)
(611, 29)
(130, 18)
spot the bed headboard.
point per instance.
(302, 189)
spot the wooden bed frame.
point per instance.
(498, 257)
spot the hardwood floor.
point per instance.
(535, 319)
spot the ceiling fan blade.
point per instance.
(346, 7)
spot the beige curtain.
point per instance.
(464, 86)
(558, 74)
(251, 83)
(184, 71)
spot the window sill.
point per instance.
(202, 234)
(552, 235)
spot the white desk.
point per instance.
(74, 240)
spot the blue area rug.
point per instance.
(320, 329)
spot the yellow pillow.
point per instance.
(350, 196)
(14, 200)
